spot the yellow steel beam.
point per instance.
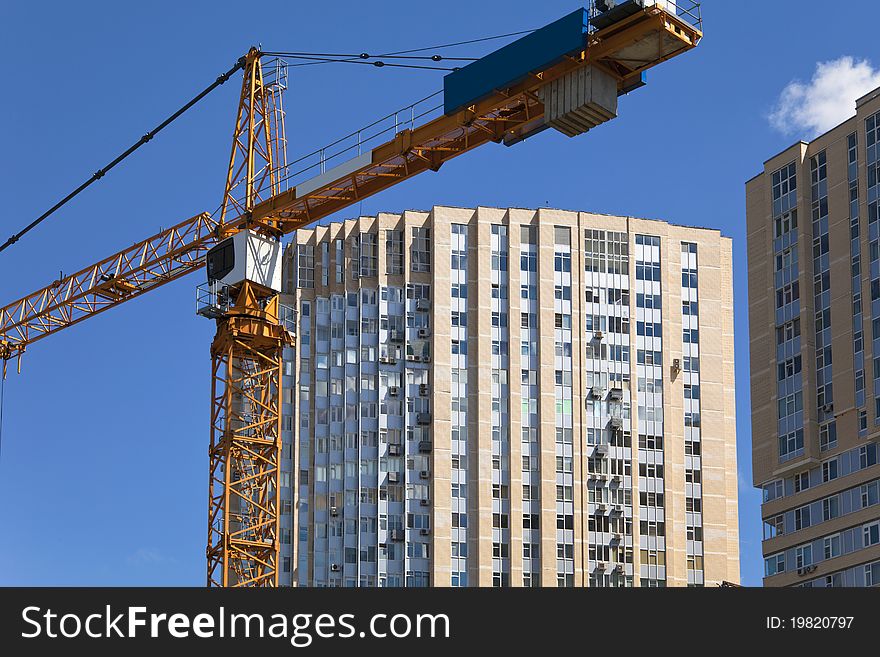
(244, 485)
(141, 267)
(178, 250)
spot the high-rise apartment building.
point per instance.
(510, 398)
(814, 314)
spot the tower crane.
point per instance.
(566, 76)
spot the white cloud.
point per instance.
(827, 100)
(146, 556)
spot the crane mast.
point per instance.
(245, 450)
(607, 50)
(246, 355)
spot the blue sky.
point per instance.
(104, 456)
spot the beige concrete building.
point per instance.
(497, 397)
(814, 315)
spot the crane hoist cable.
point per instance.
(2, 398)
(143, 140)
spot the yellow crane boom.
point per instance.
(566, 76)
(508, 113)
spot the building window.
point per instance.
(369, 256)
(791, 444)
(829, 470)
(340, 260)
(784, 189)
(421, 249)
(306, 266)
(803, 556)
(832, 546)
(788, 294)
(773, 490)
(394, 252)
(828, 436)
(774, 527)
(802, 518)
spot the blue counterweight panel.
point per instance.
(515, 61)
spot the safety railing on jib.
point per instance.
(686, 10)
